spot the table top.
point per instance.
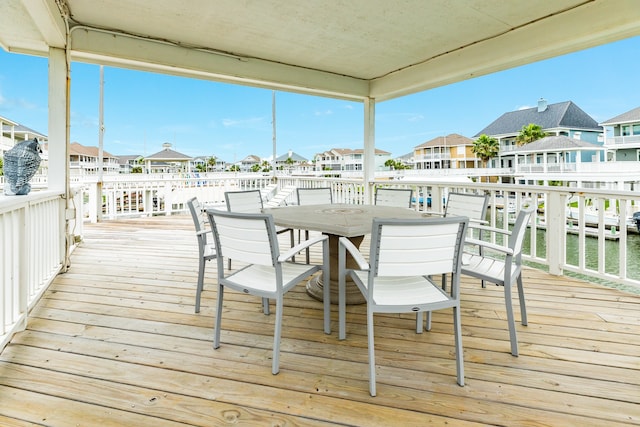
(339, 219)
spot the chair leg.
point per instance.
(444, 282)
(229, 263)
(428, 325)
(326, 289)
(200, 285)
(342, 294)
(510, 318)
(372, 357)
(419, 323)
(458, 342)
(216, 335)
(265, 306)
(523, 306)
(306, 236)
(292, 240)
(275, 367)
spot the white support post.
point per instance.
(556, 234)
(369, 147)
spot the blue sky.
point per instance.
(144, 110)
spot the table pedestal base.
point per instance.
(353, 294)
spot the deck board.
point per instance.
(115, 341)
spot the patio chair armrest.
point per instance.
(487, 245)
(301, 246)
(489, 229)
(201, 232)
(354, 252)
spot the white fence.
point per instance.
(32, 252)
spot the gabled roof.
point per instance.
(450, 140)
(630, 116)
(124, 159)
(251, 158)
(294, 156)
(167, 154)
(565, 115)
(20, 129)
(556, 144)
(81, 150)
(348, 151)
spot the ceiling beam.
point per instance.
(47, 18)
(591, 24)
(117, 49)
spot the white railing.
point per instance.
(32, 252)
(577, 230)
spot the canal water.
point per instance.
(611, 252)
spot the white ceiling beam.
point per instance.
(47, 18)
(109, 48)
(589, 25)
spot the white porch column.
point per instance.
(368, 166)
(58, 130)
(58, 171)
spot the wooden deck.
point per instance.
(115, 341)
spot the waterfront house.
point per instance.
(167, 161)
(283, 162)
(452, 151)
(560, 119)
(83, 160)
(249, 162)
(623, 140)
(129, 162)
(348, 159)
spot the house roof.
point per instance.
(20, 129)
(82, 150)
(556, 144)
(349, 151)
(167, 154)
(124, 159)
(452, 139)
(565, 115)
(251, 158)
(630, 116)
(356, 49)
(294, 156)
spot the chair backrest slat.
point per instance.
(244, 201)
(415, 247)
(243, 237)
(400, 197)
(315, 196)
(473, 206)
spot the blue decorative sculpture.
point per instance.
(20, 164)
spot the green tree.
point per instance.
(530, 133)
(485, 147)
(255, 168)
(1, 167)
(201, 168)
(390, 163)
(211, 163)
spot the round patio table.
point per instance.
(337, 220)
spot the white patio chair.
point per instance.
(400, 197)
(403, 254)
(313, 196)
(502, 265)
(250, 201)
(206, 245)
(251, 238)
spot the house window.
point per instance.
(626, 130)
(636, 129)
(577, 135)
(638, 155)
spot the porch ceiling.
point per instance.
(345, 49)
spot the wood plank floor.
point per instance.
(115, 342)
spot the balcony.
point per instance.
(115, 341)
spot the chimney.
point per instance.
(290, 152)
(542, 105)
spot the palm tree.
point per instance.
(485, 147)
(530, 133)
(211, 162)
